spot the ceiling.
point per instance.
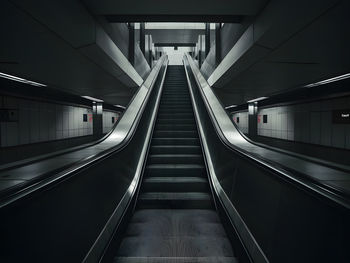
(303, 44)
(59, 44)
(175, 8)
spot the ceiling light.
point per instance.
(257, 99)
(229, 107)
(92, 98)
(120, 106)
(323, 82)
(18, 79)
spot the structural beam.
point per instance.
(207, 39)
(142, 38)
(131, 51)
(217, 43)
(175, 18)
(174, 44)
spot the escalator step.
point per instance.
(175, 134)
(174, 200)
(175, 121)
(175, 260)
(176, 127)
(175, 170)
(175, 184)
(189, 246)
(167, 149)
(175, 159)
(174, 115)
(175, 141)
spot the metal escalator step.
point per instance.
(175, 260)
(183, 246)
(176, 110)
(175, 159)
(176, 141)
(174, 200)
(168, 149)
(175, 121)
(175, 184)
(173, 126)
(178, 115)
(175, 170)
(175, 134)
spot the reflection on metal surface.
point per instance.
(18, 79)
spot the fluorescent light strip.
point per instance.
(323, 82)
(18, 79)
(229, 107)
(257, 99)
(92, 98)
(120, 106)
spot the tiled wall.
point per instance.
(107, 120)
(41, 121)
(243, 121)
(307, 122)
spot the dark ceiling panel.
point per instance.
(178, 7)
(174, 44)
(313, 52)
(119, 18)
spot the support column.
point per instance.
(207, 39)
(217, 43)
(131, 53)
(97, 111)
(253, 119)
(142, 37)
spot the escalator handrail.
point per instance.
(250, 245)
(227, 133)
(97, 250)
(117, 139)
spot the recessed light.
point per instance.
(326, 81)
(257, 99)
(18, 79)
(120, 106)
(92, 98)
(229, 107)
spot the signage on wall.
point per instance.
(341, 116)
(90, 117)
(265, 118)
(8, 115)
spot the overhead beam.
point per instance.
(174, 44)
(175, 18)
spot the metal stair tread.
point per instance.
(175, 196)
(175, 179)
(175, 260)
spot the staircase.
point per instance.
(175, 220)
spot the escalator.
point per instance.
(168, 186)
(175, 218)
